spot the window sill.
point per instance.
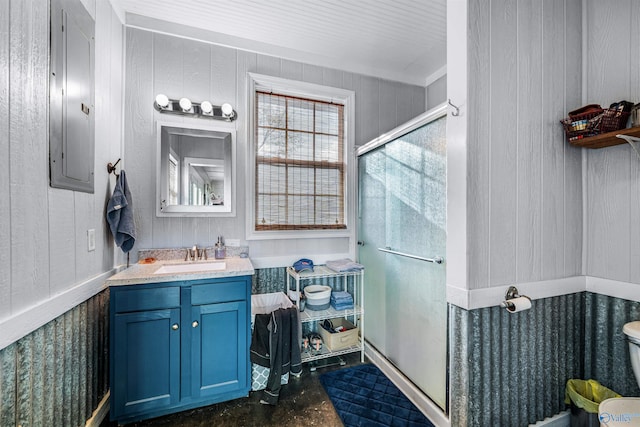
(299, 234)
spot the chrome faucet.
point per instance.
(195, 254)
(192, 254)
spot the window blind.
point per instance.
(300, 168)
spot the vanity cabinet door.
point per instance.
(219, 352)
(146, 361)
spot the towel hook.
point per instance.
(111, 167)
(457, 112)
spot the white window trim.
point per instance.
(304, 90)
(173, 158)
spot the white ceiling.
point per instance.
(402, 40)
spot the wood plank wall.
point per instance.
(613, 173)
(529, 226)
(57, 374)
(525, 185)
(27, 160)
(161, 63)
(43, 232)
(5, 224)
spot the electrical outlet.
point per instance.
(91, 239)
(232, 242)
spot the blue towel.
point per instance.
(341, 296)
(341, 300)
(120, 215)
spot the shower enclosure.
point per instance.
(402, 237)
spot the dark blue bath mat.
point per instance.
(363, 396)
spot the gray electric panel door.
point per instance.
(71, 115)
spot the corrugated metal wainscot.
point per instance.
(606, 347)
(511, 369)
(57, 375)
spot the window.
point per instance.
(299, 157)
(173, 179)
(299, 163)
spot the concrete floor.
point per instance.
(302, 402)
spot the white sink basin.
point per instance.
(202, 267)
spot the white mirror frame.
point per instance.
(226, 210)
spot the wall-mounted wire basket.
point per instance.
(592, 120)
(582, 125)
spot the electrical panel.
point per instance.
(71, 97)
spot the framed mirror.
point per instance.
(195, 170)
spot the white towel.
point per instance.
(344, 265)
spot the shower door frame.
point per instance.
(417, 396)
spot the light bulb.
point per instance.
(185, 104)
(162, 100)
(227, 110)
(206, 107)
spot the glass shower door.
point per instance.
(372, 235)
(402, 224)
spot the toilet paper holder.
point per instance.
(512, 293)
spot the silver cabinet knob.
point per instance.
(195, 324)
(175, 326)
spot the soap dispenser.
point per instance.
(220, 251)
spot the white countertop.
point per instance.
(144, 273)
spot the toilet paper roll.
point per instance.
(518, 304)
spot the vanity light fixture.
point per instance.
(206, 107)
(185, 107)
(162, 101)
(227, 110)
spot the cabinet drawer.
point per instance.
(211, 293)
(145, 299)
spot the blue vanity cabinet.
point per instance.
(178, 345)
(220, 338)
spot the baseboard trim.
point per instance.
(613, 288)
(23, 323)
(100, 412)
(471, 299)
(413, 393)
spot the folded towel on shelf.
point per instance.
(341, 296)
(341, 300)
(342, 306)
(344, 265)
